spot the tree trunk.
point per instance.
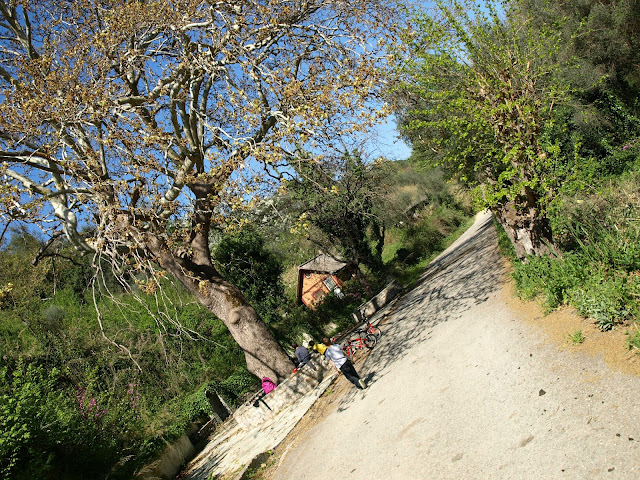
(378, 234)
(264, 355)
(529, 231)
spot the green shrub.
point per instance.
(447, 219)
(48, 429)
(236, 385)
(425, 235)
(549, 279)
(196, 405)
(31, 416)
(603, 299)
(574, 280)
(422, 239)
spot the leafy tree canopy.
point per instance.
(133, 127)
(476, 90)
(338, 198)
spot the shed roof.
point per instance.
(323, 263)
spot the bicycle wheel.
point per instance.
(369, 341)
(375, 331)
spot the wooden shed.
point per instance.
(318, 277)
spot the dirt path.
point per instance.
(468, 383)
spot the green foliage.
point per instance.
(476, 90)
(602, 34)
(603, 224)
(576, 337)
(601, 115)
(550, 279)
(603, 299)
(574, 280)
(424, 235)
(407, 275)
(236, 385)
(420, 240)
(633, 340)
(412, 187)
(338, 199)
(103, 416)
(47, 427)
(29, 285)
(196, 405)
(29, 410)
(244, 261)
(599, 270)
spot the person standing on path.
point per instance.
(342, 363)
(303, 356)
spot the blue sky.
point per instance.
(386, 142)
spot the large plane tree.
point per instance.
(132, 128)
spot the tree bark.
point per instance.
(378, 233)
(529, 231)
(264, 355)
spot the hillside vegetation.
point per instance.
(75, 403)
(174, 170)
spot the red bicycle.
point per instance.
(348, 350)
(371, 329)
(361, 342)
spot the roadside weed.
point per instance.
(634, 339)
(576, 337)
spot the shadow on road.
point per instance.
(466, 276)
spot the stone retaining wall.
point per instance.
(286, 393)
(168, 464)
(366, 310)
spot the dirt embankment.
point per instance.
(560, 324)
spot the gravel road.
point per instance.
(461, 388)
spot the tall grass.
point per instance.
(599, 270)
